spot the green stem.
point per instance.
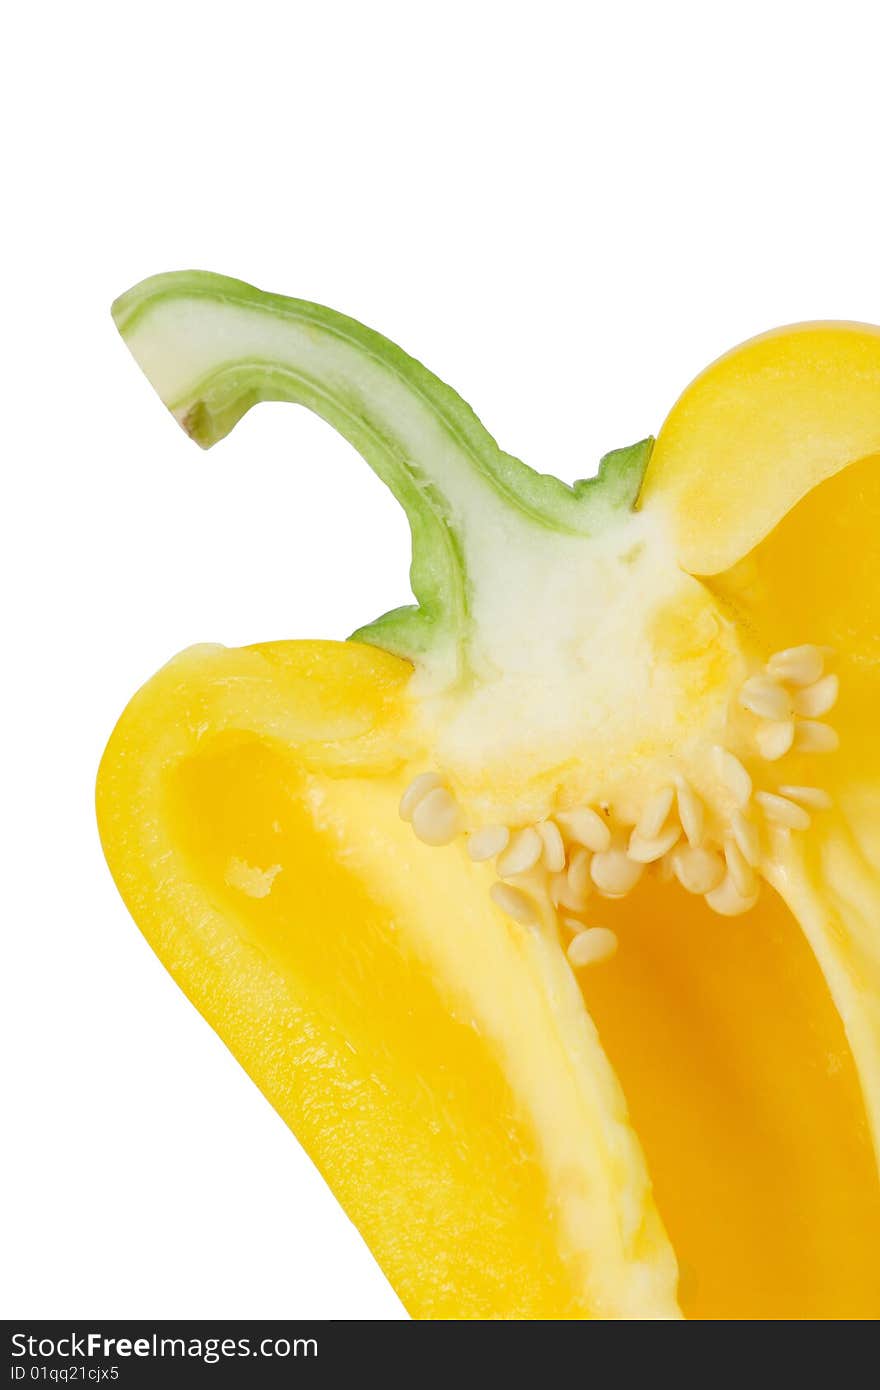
(213, 347)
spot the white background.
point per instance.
(565, 210)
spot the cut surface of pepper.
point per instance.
(546, 911)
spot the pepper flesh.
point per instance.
(469, 1146)
(442, 1068)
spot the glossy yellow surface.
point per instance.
(506, 1151)
(743, 1092)
(757, 430)
(437, 1064)
(818, 571)
(304, 921)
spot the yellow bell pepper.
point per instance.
(547, 912)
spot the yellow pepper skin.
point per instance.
(688, 1127)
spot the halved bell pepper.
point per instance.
(547, 911)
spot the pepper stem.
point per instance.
(212, 347)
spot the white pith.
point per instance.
(575, 644)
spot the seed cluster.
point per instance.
(554, 869)
(789, 698)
